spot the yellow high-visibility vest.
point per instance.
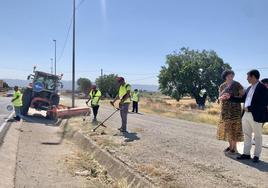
(18, 101)
(136, 96)
(95, 97)
(123, 91)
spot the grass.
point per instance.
(122, 183)
(150, 169)
(105, 142)
(185, 109)
(84, 162)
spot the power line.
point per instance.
(79, 4)
(68, 32)
(66, 40)
(131, 73)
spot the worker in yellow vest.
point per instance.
(94, 95)
(135, 100)
(124, 96)
(17, 103)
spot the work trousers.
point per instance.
(17, 112)
(135, 106)
(123, 113)
(250, 126)
(95, 111)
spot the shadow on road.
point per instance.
(261, 166)
(62, 135)
(135, 113)
(130, 137)
(38, 118)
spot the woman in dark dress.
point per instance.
(230, 125)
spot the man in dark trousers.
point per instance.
(255, 114)
(135, 101)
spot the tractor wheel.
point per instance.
(26, 101)
(55, 100)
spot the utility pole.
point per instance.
(73, 81)
(51, 66)
(55, 56)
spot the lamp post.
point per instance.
(51, 65)
(55, 57)
(73, 65)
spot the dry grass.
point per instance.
(106, 142)
(85, 162)
(185, 109)
(138, 130)
(121, 184)
(82, 162)
(149, 169)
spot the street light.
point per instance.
(51, 65)
(55, 56)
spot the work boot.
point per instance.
(256, 159)
(17, 118)
(94, 121)
(123, 131)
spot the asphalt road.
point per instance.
(169, 152)
(4, 101)
(182, 153)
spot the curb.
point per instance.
(4, 127)
(115, 168)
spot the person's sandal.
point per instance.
(232, 152)
(226, 150)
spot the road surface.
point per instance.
(177, 153)
(4, 101)
(169, 152)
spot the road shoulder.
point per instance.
(8, 156)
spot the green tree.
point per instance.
(108, 85)
(84, 85)
(188, 72)
(5, 85)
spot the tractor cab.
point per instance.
(42, 92)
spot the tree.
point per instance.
(5, 85)
(84, 85)
(108, 85)
(190, 71)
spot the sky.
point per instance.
(130, 38)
